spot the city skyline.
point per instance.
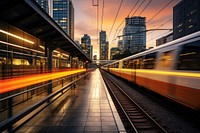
(159, 14)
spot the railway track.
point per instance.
(135, 119)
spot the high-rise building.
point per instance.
(120, 45)
(71, 20)
(44, 4)
(86, 45)
(103, 46)
(114, 51)
(95, 57)
(134, 39)
(164, 39)
(186, 18)
(62, 11)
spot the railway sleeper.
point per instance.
(135, 114)
(132, 111)
(144, 126)
(139, 120)
(137, 117)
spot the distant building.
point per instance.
(91, 52)
(85, 41)
(86, 45)
(71, 20)
(164, 39)
(95, 57)
(120, 45)
(134, 39)
(114, 51)
(62, 11)
(103, 46)
(186, 18)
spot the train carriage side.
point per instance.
(172, 70)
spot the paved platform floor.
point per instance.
(88, 108)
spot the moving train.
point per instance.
(171, 70)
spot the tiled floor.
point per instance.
(88, 108)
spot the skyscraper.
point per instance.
(44, 4)
(186, 18)
(134, 40)
(71, 20)
(86, 45)
(114, 51)
(62, 11)
(120, 45)
(103, 46)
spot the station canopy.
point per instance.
(28, 16)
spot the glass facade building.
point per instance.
(62, 11)
(44, 4)
(134, 40)
(86, 45)
(114, 51)
(103, 46)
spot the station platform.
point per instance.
(87, 108)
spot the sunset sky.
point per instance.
(86, 18)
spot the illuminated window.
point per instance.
(166, 59)
(20, 62)
(63, 21)
(190, 26)
(189, 57)
(149, 61)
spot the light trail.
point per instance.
(158, 72)
(20, 82)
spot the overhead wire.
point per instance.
(159, 11)
(102, 15)
(160, 27)
(115, 18)
(124, 20)
(145, 7)
(138, 8)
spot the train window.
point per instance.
(130, 64)
(149, 61)
(140, 64)
(124, 64)
(135, 63)
(189, 57)
(166, 59)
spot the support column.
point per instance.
(48, 53)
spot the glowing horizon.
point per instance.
(86, 19)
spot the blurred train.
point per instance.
(172, 70)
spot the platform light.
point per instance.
(18, 46)
(18, 37)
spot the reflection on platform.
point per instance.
(84, 109)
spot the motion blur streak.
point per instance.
(16, 83)
(171, 73)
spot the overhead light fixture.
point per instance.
(18, 37)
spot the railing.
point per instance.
(11, 120)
